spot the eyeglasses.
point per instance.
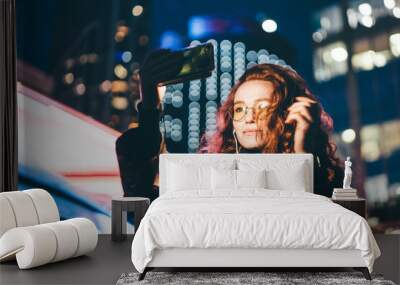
(240, 109)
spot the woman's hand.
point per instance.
(159, 66)
(302, 114)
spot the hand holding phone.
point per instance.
(197, 62)
(164, 67)
(158, 66)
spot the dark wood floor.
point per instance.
(110, 259)
(103, 266)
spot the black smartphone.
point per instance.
(198, 62)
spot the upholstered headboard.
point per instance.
(273, 160)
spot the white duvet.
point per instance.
(251, 218)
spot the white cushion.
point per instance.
(40, 244)
(26, 208)
(186, 174)
(226, 179)
(183, 177)
(7, 218)
(32, 246)
(223, 179)
(251, 178)
(87, 235)
(45, 206)
(23, 208)
(66, 237)
(190, 165)
(288, 175)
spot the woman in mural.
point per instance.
(269, 110)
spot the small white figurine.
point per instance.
(347, 174)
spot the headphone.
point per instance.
(236, 142)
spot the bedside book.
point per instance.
(344, 194)
(340, 190)
(339, 197)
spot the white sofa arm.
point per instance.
(26, 208)
(45, 206)
(32, 246)
(40, 244)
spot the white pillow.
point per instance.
(293, 180)
(193, 174)
(281, 174)
(251, 178)
(228, 179)
(188, 177)
(223, 179)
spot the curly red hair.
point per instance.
(277, 137)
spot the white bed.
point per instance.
(220, 225)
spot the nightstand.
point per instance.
(357, 205)
(120, 206)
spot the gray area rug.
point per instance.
(231, 278)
